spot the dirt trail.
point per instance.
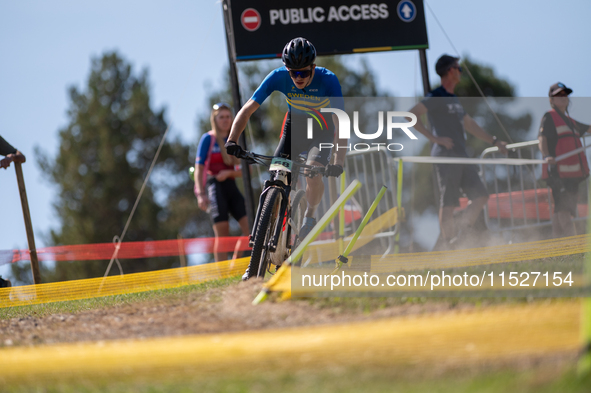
(227, 309)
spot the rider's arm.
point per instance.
(242, 119)
(271, 83)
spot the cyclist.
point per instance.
(307, 88)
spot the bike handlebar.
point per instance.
(303, 169)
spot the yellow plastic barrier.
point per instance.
(118, 285)
(329, 251)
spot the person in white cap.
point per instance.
(560, 134)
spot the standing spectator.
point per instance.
(449, 121)
(559, 134)
(215, 187)
(11, 154)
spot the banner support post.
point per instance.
(424, 71)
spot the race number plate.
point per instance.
(280, 164)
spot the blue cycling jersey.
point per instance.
(324, 91)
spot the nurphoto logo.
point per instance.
(345, 129)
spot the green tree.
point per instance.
(104, 155)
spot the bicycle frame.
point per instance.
(279, 170)
(274, 246)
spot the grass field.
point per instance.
(542, 379)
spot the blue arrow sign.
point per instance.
(406, 10)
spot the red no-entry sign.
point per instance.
(251, 19)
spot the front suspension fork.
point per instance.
(285, 191)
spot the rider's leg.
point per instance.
(314, 192)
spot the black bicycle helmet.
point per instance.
(298, 53)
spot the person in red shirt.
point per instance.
(215, 187)
(559, 134)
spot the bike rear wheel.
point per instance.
(264, 232)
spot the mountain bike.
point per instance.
(280, 213)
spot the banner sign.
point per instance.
(262, 28)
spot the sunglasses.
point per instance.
(302, 74)
(561, 85)
(220, 105)
(458, 67)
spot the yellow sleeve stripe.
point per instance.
(309, 104)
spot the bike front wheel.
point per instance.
(268, 221)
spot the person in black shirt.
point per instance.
(11, 154)
(449, 121)
(559, 134)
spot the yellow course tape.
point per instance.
(481, 256)
(460, 338)
(118, 285)
(171, 278)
